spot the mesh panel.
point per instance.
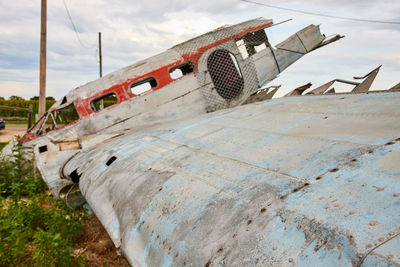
(226, 73)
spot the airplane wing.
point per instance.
(307, 180)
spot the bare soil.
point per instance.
(12, 130)
(96, 246)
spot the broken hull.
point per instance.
(222, 74)
(311, 180)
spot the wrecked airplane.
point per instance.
(180, 173)
(216, 70)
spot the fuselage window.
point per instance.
(104, 101)
(225, 74)
(145, 85)
(182, 70)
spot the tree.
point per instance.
(37, 98)
(15, 97)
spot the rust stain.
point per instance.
(378, 189)
(368, 246)
(68, 145)
(352, 212)
(373, 223)
(350, 237)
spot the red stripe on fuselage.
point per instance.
(161, 74)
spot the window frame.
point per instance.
(189, 63)
(93, 107)
(143, 81)
(227, 87)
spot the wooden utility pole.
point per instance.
(100, 68)
(100, 57)
(42, 90)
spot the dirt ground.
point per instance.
(11, 130)
(96, 246)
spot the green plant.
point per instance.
(2, 144)
(18, 176)
(35, 229)
(17, 122)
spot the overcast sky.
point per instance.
(134, 30)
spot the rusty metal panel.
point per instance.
(359, 87)
(321, 89)
(220, 77)
(263, 94)
(68, 145)
(299, 90)
(308, 180)
(396, 87)
(366, 84)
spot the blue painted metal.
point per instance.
(299, 181)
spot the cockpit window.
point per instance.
(55, 119)
(65, 115)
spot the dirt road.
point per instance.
(11, 130)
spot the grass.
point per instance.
(16, 122)
(2, 144)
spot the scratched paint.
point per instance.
(236, 187)
(270, 183)
(188, 96)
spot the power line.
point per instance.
(73, 26)
(320, 14)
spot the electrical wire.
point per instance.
(321, 14)
(73, 26)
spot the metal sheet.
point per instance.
(68, 145)
(216, 82)
(308, 180)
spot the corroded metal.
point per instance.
(360, 87)
(307, 180)
(299, 90)
(217, 70)
(321, 89)
(396, 87)
(368, 80)
(263, 94)
(303, 180)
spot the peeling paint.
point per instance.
(295, 181)
(220, 201)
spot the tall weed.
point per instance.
(35, 229)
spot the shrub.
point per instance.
(18, 176)
(35, 229)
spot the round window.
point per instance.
(225, 74)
